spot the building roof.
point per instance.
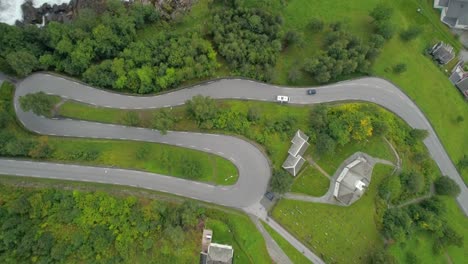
(463, 87)
(219, 254)
(351, 182)
(458, 9)
(294, 161)
(443, 52)
(299, 144)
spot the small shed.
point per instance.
(443, 53)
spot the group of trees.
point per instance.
(99, 228)
(155, 65)
(73, 47)
(400, 187)
(249, 40)
(344, 54)
(338, 125)
(428, 216)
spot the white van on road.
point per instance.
(282, 98)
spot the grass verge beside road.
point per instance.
(152, 157)
(293, 254)
(310, 182)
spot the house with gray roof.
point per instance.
(454, 13)
(294, 161)
(352, 181)
(213, 253)
(459, 78)
(443, 53)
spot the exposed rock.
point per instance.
(66, 12)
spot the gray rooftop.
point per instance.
(219, 254)
(443, 53)
(458, 9)
(463, 87)
(299, 144)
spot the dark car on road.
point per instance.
(311, 91)
(270, 196)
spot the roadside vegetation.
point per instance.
(297, 42)
(293, 254)
(157, 158)
(48, 225)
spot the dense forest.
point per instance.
(52, 226)
(107, 51)
(60, 226)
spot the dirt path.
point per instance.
(313, 163)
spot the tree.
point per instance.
(411, 33)
(399, 68)
(191, 168)
(280, 181)
(292, 37)
(202, 109)
(446, 186)
(397, 224)
(416, 135)
(22, 62)
(163, 120)
(294, 75)
(325, 144)
(253, 114)
(463, 162)
(390, 188)
(385, 28)
(40, 103)
(316, 25)
(413, 180)
(381, 256)
(381, 12)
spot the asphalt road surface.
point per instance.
(253, 166)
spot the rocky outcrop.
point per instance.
(66, 12)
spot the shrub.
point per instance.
(316, 25)
(411, 33)
(446, 186)
(280, 181)
(292, 37)
(131, 119)
(381, 12)
(40, 103)
(399, 68)
(385, 28)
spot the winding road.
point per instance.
(253, 166)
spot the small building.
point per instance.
(213, 253)
(453, 13)
(459, 78)
(442, 53)
(294, 161)
(352, 181)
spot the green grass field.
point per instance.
(310, 182)
(237, 229)
(293, 254)
(335, 233)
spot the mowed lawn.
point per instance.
(310, 181)
(335, 233)
(240, 232)
(151, 157)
